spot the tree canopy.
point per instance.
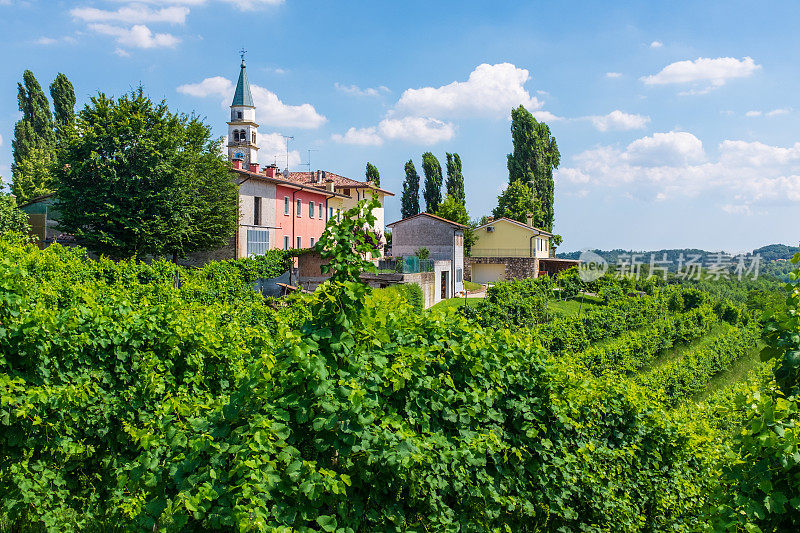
(433, 182)
(63, 95)
(516, 202)
(34, 141)
(454, 210)
(410, 199)
(373, 175)
(12, 219)
(533, 160)
(455, 179)
(142, 180)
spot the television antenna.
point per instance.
(308, 163)
(287, 138)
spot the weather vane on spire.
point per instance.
(242, 52)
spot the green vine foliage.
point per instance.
(127, 403)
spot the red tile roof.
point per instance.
(339, 182)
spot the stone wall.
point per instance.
(410, 235)
(426, 282)
(515, 267)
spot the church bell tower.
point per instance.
(242, 128)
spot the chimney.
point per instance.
(237, 164)
(530, 219)
(270, 171)
(318, 177)
(254, 167)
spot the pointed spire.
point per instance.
(242, 95)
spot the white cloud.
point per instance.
(358, 91)
(132, 14)
(360, 136)
(272, 149)
(672, 148)
(1, 140)
(270, 110)
(419, 130)
(714, 71)
(619, 120)
(656, 44)
(48, 41)
(244, 5)
(121, 52)
(138, 36)
(773, 113)
(490, 90)
(613, 74)
(674, 165)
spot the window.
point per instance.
(310, 209)
(330, 213)
(286, 242)
(239, 114)
(338, 214)
(254, 137)
(312, 242)
(257, 242)
(458, 275)
(285, 205)
(299, 242)
(299, 208)
(256, 210)
(320, 210)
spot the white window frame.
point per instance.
(257, 242)
(299, 207)
(311, 209)
(321, 210)
(285, 242)
(285, 205)
(299, 242)
(311, 241)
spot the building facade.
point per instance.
(282, 209)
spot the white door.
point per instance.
(488, 273)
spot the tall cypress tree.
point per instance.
(63, 95)
(410, 199)
(433, 182)
(455, 179)
(533, 160)
(373, 175)
(34, 141)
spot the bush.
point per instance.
(515, 303)
(411, 293)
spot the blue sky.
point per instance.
(674, 119)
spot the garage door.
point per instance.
(488, 273)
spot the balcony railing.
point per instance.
(404, 265)
(504, 252)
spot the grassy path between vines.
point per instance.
(739, 371)
(677, 351)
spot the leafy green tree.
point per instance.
(32, 133)
(12, 219)
(373, 175)
(410, 199)
(433, 182)
(455, 178)
(533, 160)
(34, 175)
(63, 95)
(516, 202)
(455, 211)
(141, 180)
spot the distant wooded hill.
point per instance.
(772, 252)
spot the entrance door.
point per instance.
(444, 285)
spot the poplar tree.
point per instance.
(63, 95)
(373, 175)
(532, 162)
(433, 182)
(34, 140)
(410, 199)
(455, 179)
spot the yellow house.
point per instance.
(508, 238)
(507, 249)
